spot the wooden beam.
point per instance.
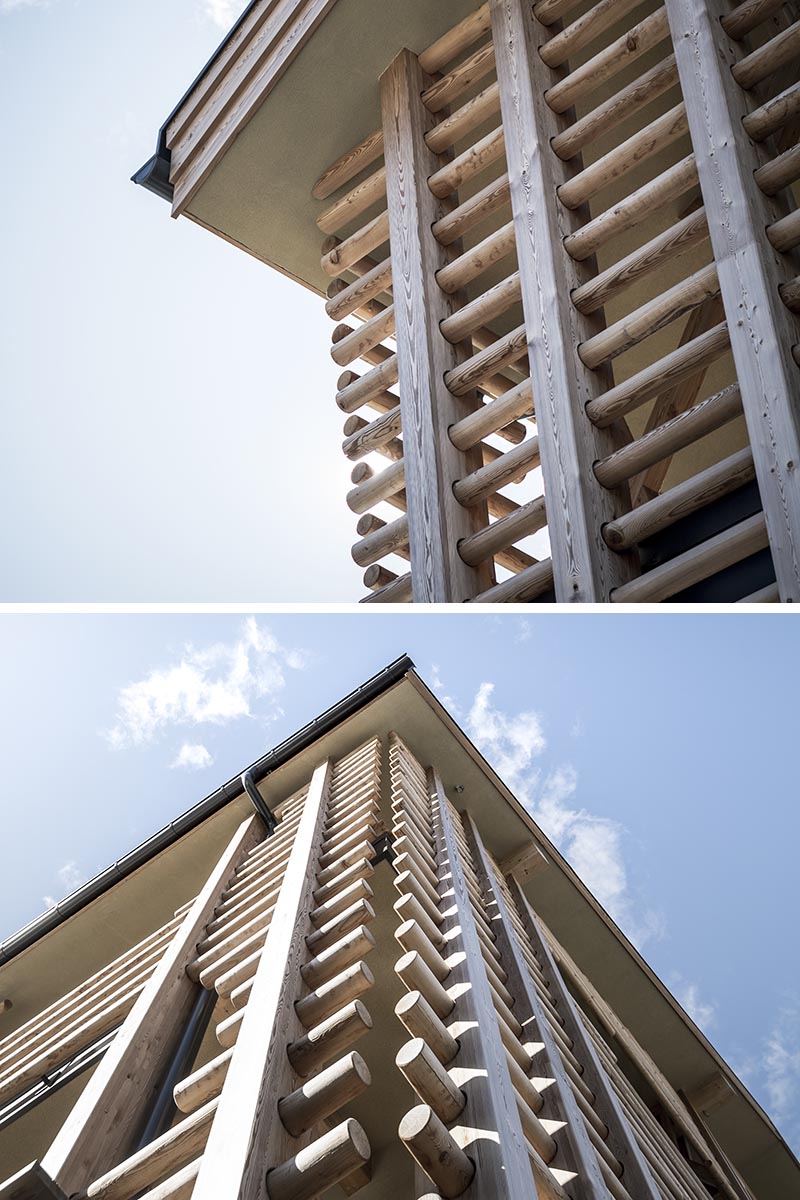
(560, 1102)
(762, 331)
(247, 1137)
(581, 986)
(584, 569)
(432, 463)
(96, 1134)
(621, 1140)
(489, 1128)
(527, 861)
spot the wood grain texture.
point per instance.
(490, 1128)
(120, 1092)
(762, 331)
(621, 1140)
(247, 1137)
(579, 985)
(560, 1102)
(583, 567)
(436, 521)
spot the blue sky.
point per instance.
(149, 369)
(659, 751)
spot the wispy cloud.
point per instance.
(594, 845)
(222, 13)
(702, 1011)
(193, 756)
(7, 6)
(70, 877)
(207, 685)
(773, 1073)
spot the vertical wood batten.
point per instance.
(97, 1132)
(529, 1006)
(762, 330)
(247, 1137)
(500, 1151)
(584, 568)
(436, 521)
(603, 1012)
(621, 1140)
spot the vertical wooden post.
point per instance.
(621, 1139)
(584, 568)
(247, 1137)
(97, 1132)
(500, 1151)
(527, 1007)
(673, 1105)
(762, 330)
(436, 521)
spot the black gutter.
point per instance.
(259, 770)
(154, 174)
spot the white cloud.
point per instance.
(511, 743)
(70, 877)
(772, 1071)
(192, 755)
(593, 844)
(9, 5)
(702, 1012)
(222, 13)
(211, 685)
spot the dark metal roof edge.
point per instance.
(269, 762)
(154, 174)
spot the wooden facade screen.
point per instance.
(483, 1036)
(615, 341)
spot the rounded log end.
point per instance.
(416, 1122)
(363, 1013)
(409, 1052)
(613, 536)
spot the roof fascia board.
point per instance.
(239, 89)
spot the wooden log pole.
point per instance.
(324, 1094)
(319, 1166)
(429, 1079)
(93, 1138)
(697, 564)
(685, 498)
(436, 521)
(762, 331)
(502, 1159)
(435, 1149)
(623, 1143)
(245, 1139)
(582, 568)
(323, 1042)
(202, 1085)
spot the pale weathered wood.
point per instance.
(431, 462)
(560, 1102)
(697, 564)
(93, 1136)
(583, 568)
(246, 1139)
(582, 986)
(502, 1166)
(673, 435)
(317, 1167)
(762, 331)
(608, 62)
